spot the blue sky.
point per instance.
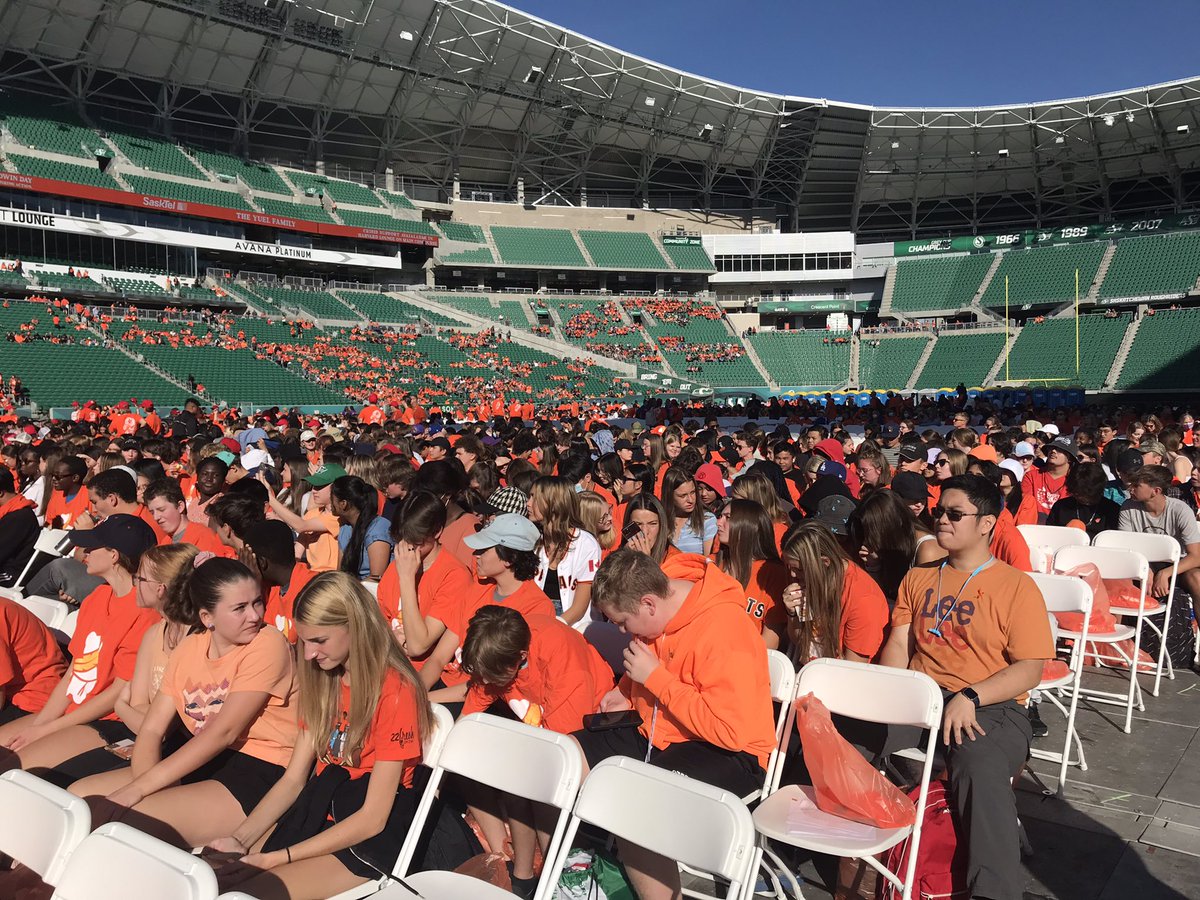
(902, 52)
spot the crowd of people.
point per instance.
(268, 605)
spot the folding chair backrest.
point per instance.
(783, 676)
(49, 541)
(53, 613)
(117, 862)
(1113, 562)
(530, 762)
(1064, 593)
(42, 824)
(432, 746)
(1156, 548)
(67, 628)
(873, 693)
(680, 818)
(1046, 540)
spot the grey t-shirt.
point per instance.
(1177, 520)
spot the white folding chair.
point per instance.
(117, 861)
(431, 753)
(236, 895)
(51, 542)
(533, 763)
(1064, 594)
(783, 691)
(67, 629)
(872, 694)
(13, 594)
(53, 613)
(1113, 563)
(685, 820)
(1046, 540)
(1157, 548)
(372, 588)
(42, 824)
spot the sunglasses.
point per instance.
(942, 462)
(954, 515)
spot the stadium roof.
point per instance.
(436, 89)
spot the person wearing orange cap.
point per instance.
(123, 421)
(371, 414)
(152, 419)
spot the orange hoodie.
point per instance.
(713, 684)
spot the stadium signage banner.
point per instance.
(682, 239)
(1043, 236)
(97, 228)
(205, 211)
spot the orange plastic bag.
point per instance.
(845, 784)
(1106, 654)
(1054, 669)
(1101, 620)
(1124, 594)
(489, 867)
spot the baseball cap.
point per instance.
(1032, 426)
(251, 436)
(509, 530)
(834, 512)
(623, 445)
(889, 432)
(124, 533)
(439, 442)
(507, 500)
(911, 452)
(1129, 460)
(253, 458)
(708, 474)
(131, 444)
(1023, 449)
(308, 435)
(1051, 429)
(1017, 470)
(829, 467)
(1152, 447)
(985, 452)
(910, 487)
(327, 474)
(637, 427)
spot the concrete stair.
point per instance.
(855, 350)
(987, 279)
(889, 291)
(1093, 292)
(998, 368)
(753, 356)
(1114, 373)
(912, 382)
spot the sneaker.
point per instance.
(1036, 723)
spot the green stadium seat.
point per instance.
(390, 309)
(938, 284)
(338, 190)
(138, 286)
(1165, 352)
(40, 167)
(54, 135)
(693, 328)
(622, 250)
(155, 155)
(385, 222)
(479, 256)
(689, 256)
(964, 358)
(256, 176)
(811, 359)
(537, 247)
(399, 201)
(321, 304)
(460, 231)
(65, 282)
(890, 365)
(1043, 275)
(189, 193)
(1161, 265)
(1046, 351)
(307, 212)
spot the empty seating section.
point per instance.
(189, 193)
(308, 212)
(257, 176)
(53, 373)
(689, 256)
(460, 231)
(360, 219)
(155, 155)
(890, 365)
(1165, 352)
(804, 358)
(1047, 350)
(53, 136)
(481, 255)
(537, 247)
(66, 282)
(267, 330)
(388, 308)
(321, 304)
(237, 376)
(399, 201)
(622, 250)
(941, 283)
(142, 286)
(961, 358)
(1160, 264)
(340, 191)
(199, 294)
(39, 167)
(1043, 274)
(16, 279)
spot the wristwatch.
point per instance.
(970, 694)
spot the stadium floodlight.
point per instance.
(895, 145)
(1060, 139)
(706, 132)
(406, 35)
(534, 75)
(1184, 129)
(1128, 117)
(1110, 120)
(650, 101)
(1003, 151)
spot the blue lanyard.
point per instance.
(936, 630)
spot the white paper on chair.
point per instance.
(805, 819)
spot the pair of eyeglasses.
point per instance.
(954, 515)
(142, 580)
(942, 462)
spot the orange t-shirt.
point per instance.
(144, 514)
(69, 510)
(199, 686)
(31, 665)
(321, 550)
(204, 539)
(104, 648)
(394, 735)
(280, 605)
(1009, 545)
(441, 592)
(452, 538)
(528, 600)
(563, 681)
(764, 592)
(864, 613)
(998, 619)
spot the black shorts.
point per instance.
(11, 713)
(735, 771)
(101, 760)
(246, 777)
(112, 730)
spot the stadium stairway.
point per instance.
(1122, 354)
(998, 367)
(855, 356)
(987, 279)
(141, 360)
(889, 291)
(753, 356)
(920, 366)
(1105, 261)
(587, 255)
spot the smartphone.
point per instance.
(122, 748)
(609, 721)
(630, 531)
